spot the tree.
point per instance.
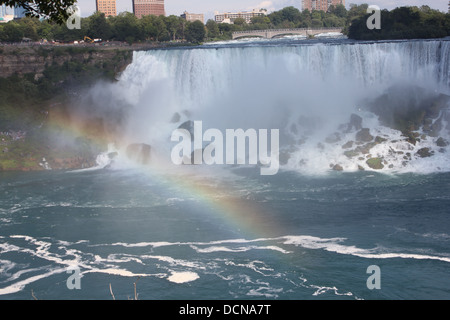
(174, 26)
(126, 27)
(291, 14)
(12, 32)
(195, 32)
(54, 10)
(162, 34)
(239, 22)
(338, 10)
(148, 27)
(30, 27)
(212, 28)
(99, 27)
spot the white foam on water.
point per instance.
(334, 245)
(183, 277)
(18, 286)
(120, 272)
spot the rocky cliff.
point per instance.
(37, 88)
(34, 59)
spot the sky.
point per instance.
(207, 7)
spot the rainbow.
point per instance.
(243, 216)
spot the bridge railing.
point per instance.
(285, 30)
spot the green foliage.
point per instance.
(400, 23)
(212, 29)
(403, 23)
(55, 10)
(195, 32)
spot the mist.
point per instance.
(304, 91)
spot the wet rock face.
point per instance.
(189, 126)
(424, 153)
(355, 123)
(364, 135)
(375, 163)
(441, 142)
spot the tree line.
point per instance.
(404, 22)
(124, 27)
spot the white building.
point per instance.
(229, 17)
(10, 13)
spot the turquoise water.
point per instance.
(226, 232)
(305, 238)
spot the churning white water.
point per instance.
(305, 90)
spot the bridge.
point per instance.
(273, 33)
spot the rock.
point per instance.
(375, 163)
(424, 152)
(361, 168)
(355, 122)
(364, 135)
(379, 139)
(351, 153)
(189, 126)
(441, 142)
(411, 137)
(365, 149)
(337, 167)
(175, 118)
(347, 145)
(139, 152)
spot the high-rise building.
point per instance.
(2, 10)
(320, 4)
(193, 16)
(108, 7)
(8, 13)
(148, 7)
(19, 12)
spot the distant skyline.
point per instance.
(207, 7)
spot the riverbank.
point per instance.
(39, 85)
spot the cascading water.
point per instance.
(228, 233)
(305, 90)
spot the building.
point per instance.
(320, 4)
(108, 7)
(8, 13)
(148, 7)
(229, 17)
(193, 17)
(19, 12)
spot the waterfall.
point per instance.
(270, 86)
